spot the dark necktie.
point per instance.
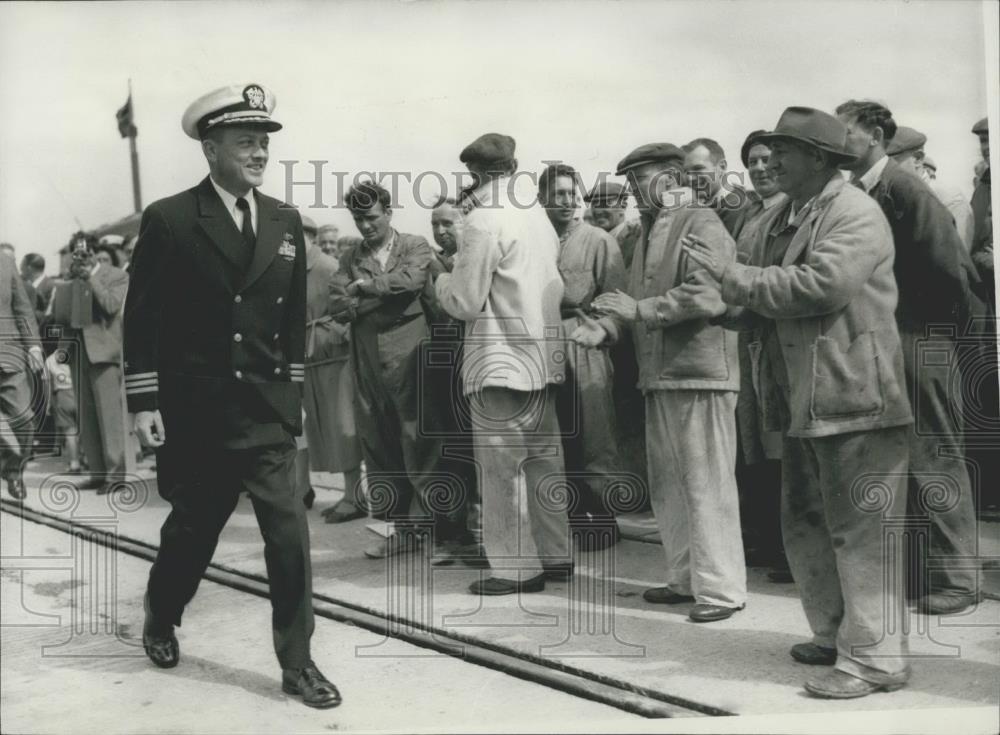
(249, 238)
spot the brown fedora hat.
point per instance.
(814, 127)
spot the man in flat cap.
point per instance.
(829, 373)
(907, 149)
(935, 276)
(214, 364)
(506, 287)
(707, 171)
(689, 373)
(758, 468)
(607, 202)
(590, 264)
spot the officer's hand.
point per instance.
(149, 427)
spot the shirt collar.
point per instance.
(773, 200)
(38, 280)
(870, 177)
(229, 201)
(389, 244)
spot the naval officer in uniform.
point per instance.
(214, 351)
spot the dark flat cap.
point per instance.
(488, 148)
(752, 140)
(981, 127)
(650, 153)
(906, 139)
(607, 193)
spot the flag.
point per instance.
(124, 116)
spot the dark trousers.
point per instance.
(941, 505)
(202, 485)
(16, 427)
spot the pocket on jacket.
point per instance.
(846, 383)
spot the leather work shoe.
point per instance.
(703, 613)
(937, 603)
(497, 586)
(665, 596)
(310, 684)
(159, 640)
(88, 482)
(841, 685)
(342, 511)
(398, 543)
(558, 572)
(810, 653)
(16, 488)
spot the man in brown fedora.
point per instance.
(829, 371)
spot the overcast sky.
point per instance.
(393, 86)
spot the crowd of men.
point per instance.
(746, 362)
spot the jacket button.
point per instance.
(280, 299)
(238, 374)
(237, 337)
(238, 299)
(277, 371)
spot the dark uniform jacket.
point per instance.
(933, 269)
(215, 334)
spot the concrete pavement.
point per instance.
(598, 626)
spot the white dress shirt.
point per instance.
(872, 175)
(229, 202)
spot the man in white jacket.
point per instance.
(506, 286)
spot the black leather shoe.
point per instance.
(665, 596)
(704, 613)
(159, 641)
(558, 572)
(813, 655)
(310, 684)
(16, 488)
(496, 586)
(88, 482)
(164, 651)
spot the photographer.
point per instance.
(89, 304)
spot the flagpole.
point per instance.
(136, 191)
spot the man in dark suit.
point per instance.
(19, 349)
(707, 170)
(935, 277)
(38, 285)
(214, 365)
